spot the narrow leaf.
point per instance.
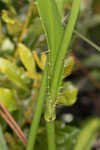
(60, 5)
(87, 135)
(52, 25)
(38, 111)
(54, 30)
(2, 141)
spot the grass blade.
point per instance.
(65, 43)
(60, 5)
(87, 40)
(2, 141)
(87, 135)
(52, 25)
(38, 111)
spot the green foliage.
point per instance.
(26, 58)
(68, 95)
(54, 89)
(60, 5)
(13, 72)
(8, 99)
(66, 136)
(57, 48)
(32, 36)
(13, 25)
(26, 71)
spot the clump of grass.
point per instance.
(58, 41)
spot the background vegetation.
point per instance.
(23, 55)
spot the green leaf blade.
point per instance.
(52, 25)
(3, 145)
(88, 135)
(69, 95)
(60, 5)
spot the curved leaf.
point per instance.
(68, 66)
(68, 95)
(12, 72)
(26, 58)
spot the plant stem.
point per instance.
(87, 40)
(57, 72)
(38, 111)
(42, 92)
(63, 49)
(51, 135)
